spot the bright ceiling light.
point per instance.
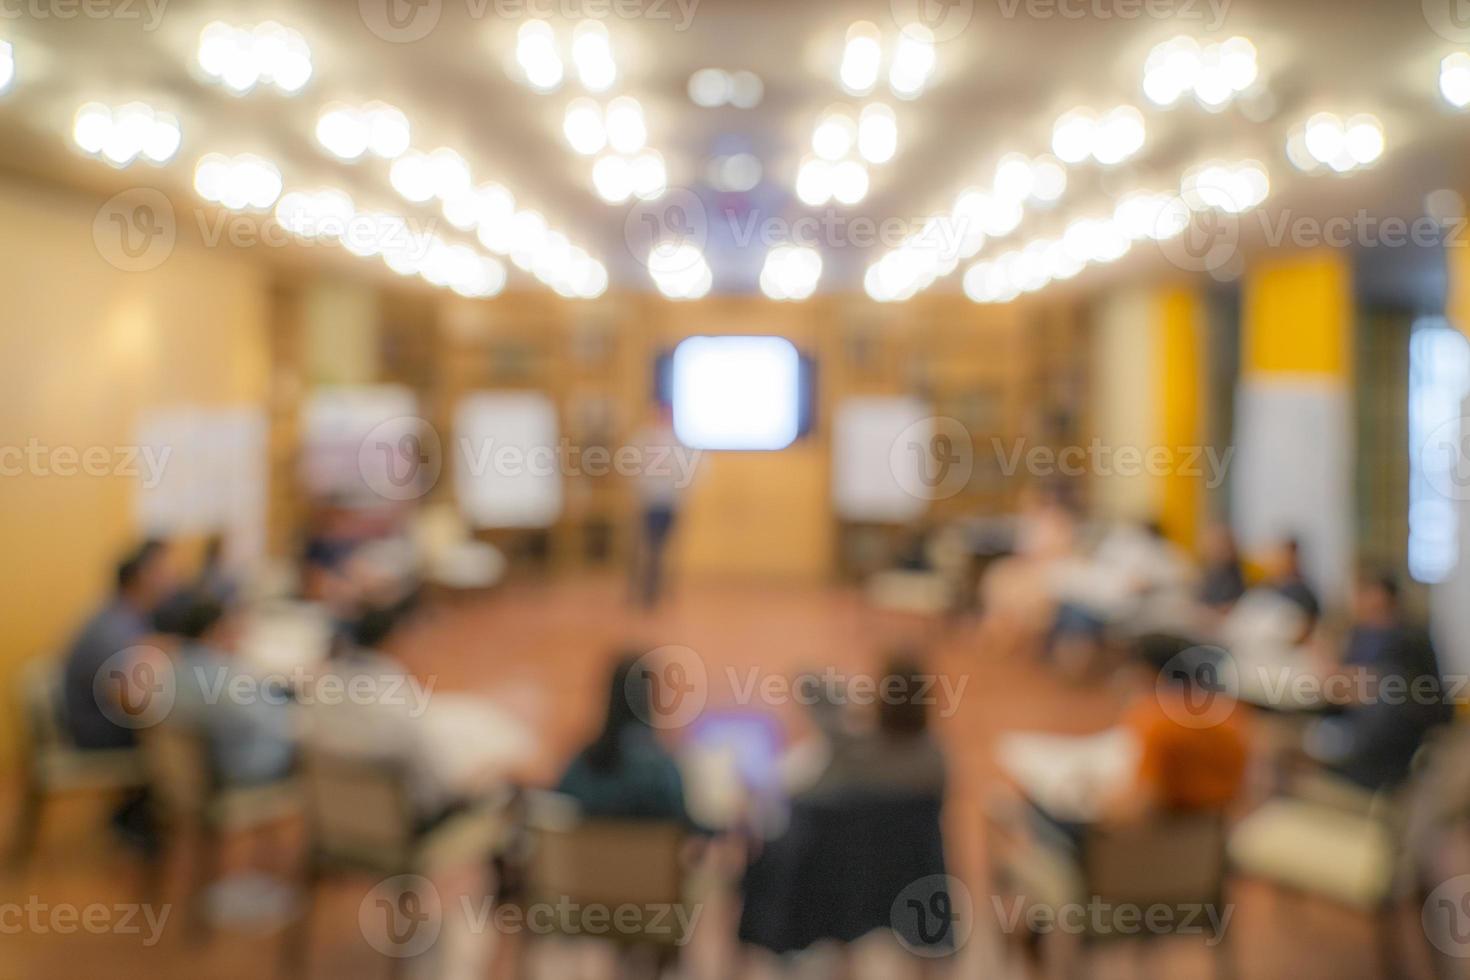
(243, 182)
(679, 270)
(790, 272)
(1072, 135)
(583, 126)
(626, 131)
(849, 182)
(1118, 136)
(834, 135)
(592, 54)
(877, 133)
(1454, 79)
(814, 182)
(473, 208)
(913, 61)
(324, 213)
(7, 65)
(1048, 179)
(1364, 138)
(412, 176)
(1214, 73)
(650, 179)
(746, 90)
(1013, 178)
(242, 57)
(612, 178)
(861, 58)
(536, 54)
(119, 136)
(449, 173)
(1326, 140)
(1228, 187)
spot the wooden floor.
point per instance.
(541, 650)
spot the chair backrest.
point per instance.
(39, 691)
(359, 809)
(1168, 859)
(610, 862)
(176, 757)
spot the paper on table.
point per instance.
(1069, 776)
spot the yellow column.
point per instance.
(1178, 325)
(1457, 302)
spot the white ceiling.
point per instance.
(1001, 81)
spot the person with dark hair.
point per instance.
(145, 577)
(1397, 693)
(624, 772)
(1285, 575)
(1222, 580)
(247, 725)
(899, 754)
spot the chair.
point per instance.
(1335, 842)
(191, 799)
(448, 554)
(1171, 861)
(934, 591)
(360, 818)
(52, 764)
(596, 866)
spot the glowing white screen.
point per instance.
(736, 392)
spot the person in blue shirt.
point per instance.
(248, 726)
(624, 772)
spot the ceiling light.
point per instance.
(1048, 179)
(7, 65)
(790, 272)
(412, 177)
(913, 61)
(324, 213)
(348, 132)
(649, 177)
(814, 182)
(849, 182)
(1214, 73)
(861, 57)
(1228, 187)
(877, 133)
(121, 135)
(473, 207)
(679, 270)
(583, 126)
(1326, 140)
(239, 183)
(612, 179)
(710, 87)
(736, 173)
(626, 131)
(448, 173)
(536, 54)
(1118, 136)
(1072, 135)
(592, 54)
(746, 90)
(1013, 179)
(1454, 79)
(239, 57)
(834, 135)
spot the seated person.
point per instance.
(898, 754)
(144, 580)
(387, 725)
(624, 772)
(1222, 581)
(1402, 697)
(1286, 577)
(250, 740)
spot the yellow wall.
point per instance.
(83, 348)
(1180, 381)
(1293, 316)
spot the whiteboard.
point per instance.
(507, 461)
(865, 483)
(340, 427)
(210, 475)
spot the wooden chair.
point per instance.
(192, 800)
(52, 764)
(361, 818)
(602, 864)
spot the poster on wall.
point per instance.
(211, 478)
(506, 460)
(870, 481)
